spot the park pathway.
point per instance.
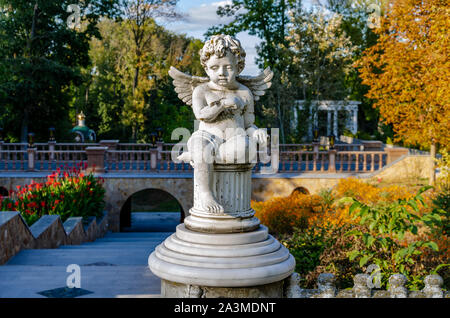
(112, 266)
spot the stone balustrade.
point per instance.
(361, 288)
(112, 156)
(47, 232)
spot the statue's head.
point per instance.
(222, 50)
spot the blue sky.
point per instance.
(200, 15)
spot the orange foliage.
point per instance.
(283, 214)
(370, 194)
(408, 70)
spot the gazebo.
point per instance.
(331, 108)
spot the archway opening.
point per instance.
(4, 192)
(151, 210)
(300, 190)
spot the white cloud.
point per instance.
(198, 19)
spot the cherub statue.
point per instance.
(224, 105)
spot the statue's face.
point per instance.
(222, 71)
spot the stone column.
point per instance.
(31, 159)
(232, 188)
(310, 124)
(153, 158)
(316, 145)
(51, 149)
(328, 122)
(110, 144)
(316, 117)
(335, 124)
(332, 160)
(226, 254)
(355, 121)
(96, 159)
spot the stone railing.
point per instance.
(47, 232)
(361, 288)
(112, 156)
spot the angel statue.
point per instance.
(223, 103)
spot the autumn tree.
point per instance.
(408, 71)
(112, 81)
(40, 59)
(139, 18)
(268, 20)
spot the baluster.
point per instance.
(433, 286)
(364, 162)
(299, 161)
(372, 161)
(397, 287)
(314, 161)
(306, 161)
(15, 160)
(340, 161)
(357, 162)
(326, 285)
(360, 287)
(138, 160)
(322, 164)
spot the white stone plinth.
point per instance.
(221, 260)
(231, 186)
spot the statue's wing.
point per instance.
(258, 84)
(185, 84)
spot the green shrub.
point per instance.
(306, 245)
(384, 242)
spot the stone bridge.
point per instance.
(130, 168)
(121, 186)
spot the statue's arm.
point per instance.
(249, 119)
(202, 111)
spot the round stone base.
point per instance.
(177, 290)
(221, 260)
(221, 224)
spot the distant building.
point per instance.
(334, 116)
(82, 133)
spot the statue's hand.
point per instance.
(232, 103)
(260, 135)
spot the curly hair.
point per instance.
(219, 45)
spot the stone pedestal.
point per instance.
(223, 255)
(231, 185)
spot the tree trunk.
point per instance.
(136, 78)
(24, 127)
(432, 172)
(280, 116)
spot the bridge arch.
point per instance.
(161, 201)
(4, 192)
(120, 189)
(300, 190)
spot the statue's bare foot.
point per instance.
(209, 203)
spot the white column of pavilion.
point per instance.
(332, 108)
